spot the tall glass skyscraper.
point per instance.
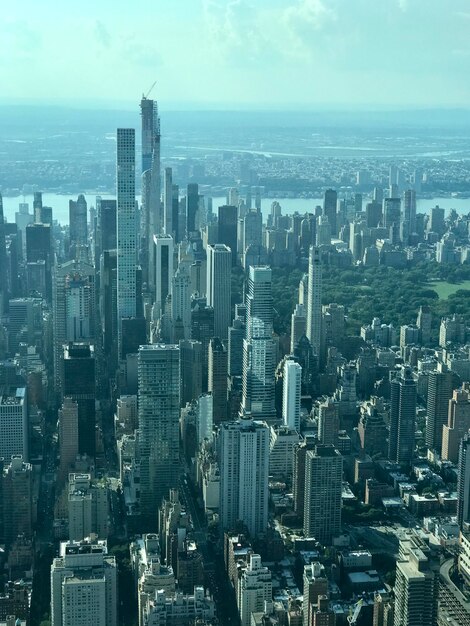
(314, 311)
(126, 227)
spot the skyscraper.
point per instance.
(217, 382)
(244, 468)
(323, 487)
(159, 407)
(227, 229)
(162, 262)
(314, 310)
(190, 370)
(254, 590)
(126, 228)
(330, 202)
(192, 204)
(219, 287)
(291, 392)
(3, 261)
(13, 422)
(402, 418)
(458, 423)
(259, 350)
(78, 221)
(181, 304)
(463, 482)
(168, 226)
(409, 209)
(439, 394)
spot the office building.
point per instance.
(4, 288)
(217, 379)
(78, 221)
(162, 261)
(314, 305)
(416, 585)
(84, 585)
(323, 487)
(282, 443)
(244, 467)
(439, 394)
(402, 418)
(202, 329)
(254, 589)
(457, 425)
(291, 392)
(106, 224)
(17, 492)
(88, 507)
(78, 383)
(39, 258)
(236, 334)
(126, 228)
(391, 212)
(159, 407)
(227, 229)
(68, 438)
(190, 370)
(181, 304)
(463, 482)
(219, 287)
(192, 204)
(409, 209)
(13, 422)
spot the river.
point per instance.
(60, 204)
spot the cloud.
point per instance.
(304, 20)
(141, 54)
(102, 34)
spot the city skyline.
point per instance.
(255, 54)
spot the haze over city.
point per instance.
(235, 313)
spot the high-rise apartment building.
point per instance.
(314, 306)
(168, 226)
(291, 393)
(402, 418)
(328, 421)
(323, 487)
(84, 585)
(458, 423)
(315, 586)
(88, 508)
(254, 589)
(181, 304)
(159, 407)
(219, 287)
(439, 394)
(463, 482)
(244, 467)
(416, 585)
(190, 370)
(409, 209)
(202, 329)
(298, 325)
(126, 228)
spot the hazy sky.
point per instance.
(238, 52)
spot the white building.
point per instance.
(84, 585)
(281, 451)
(13, 422)
(219, 267)
(314, 307)
(88, 507)
(126, 228)
(244, 468)
(254, 589)
(291, 392)
(174, 610)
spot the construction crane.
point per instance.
(145, 96)
(352, 619)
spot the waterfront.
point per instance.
(60, 204)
